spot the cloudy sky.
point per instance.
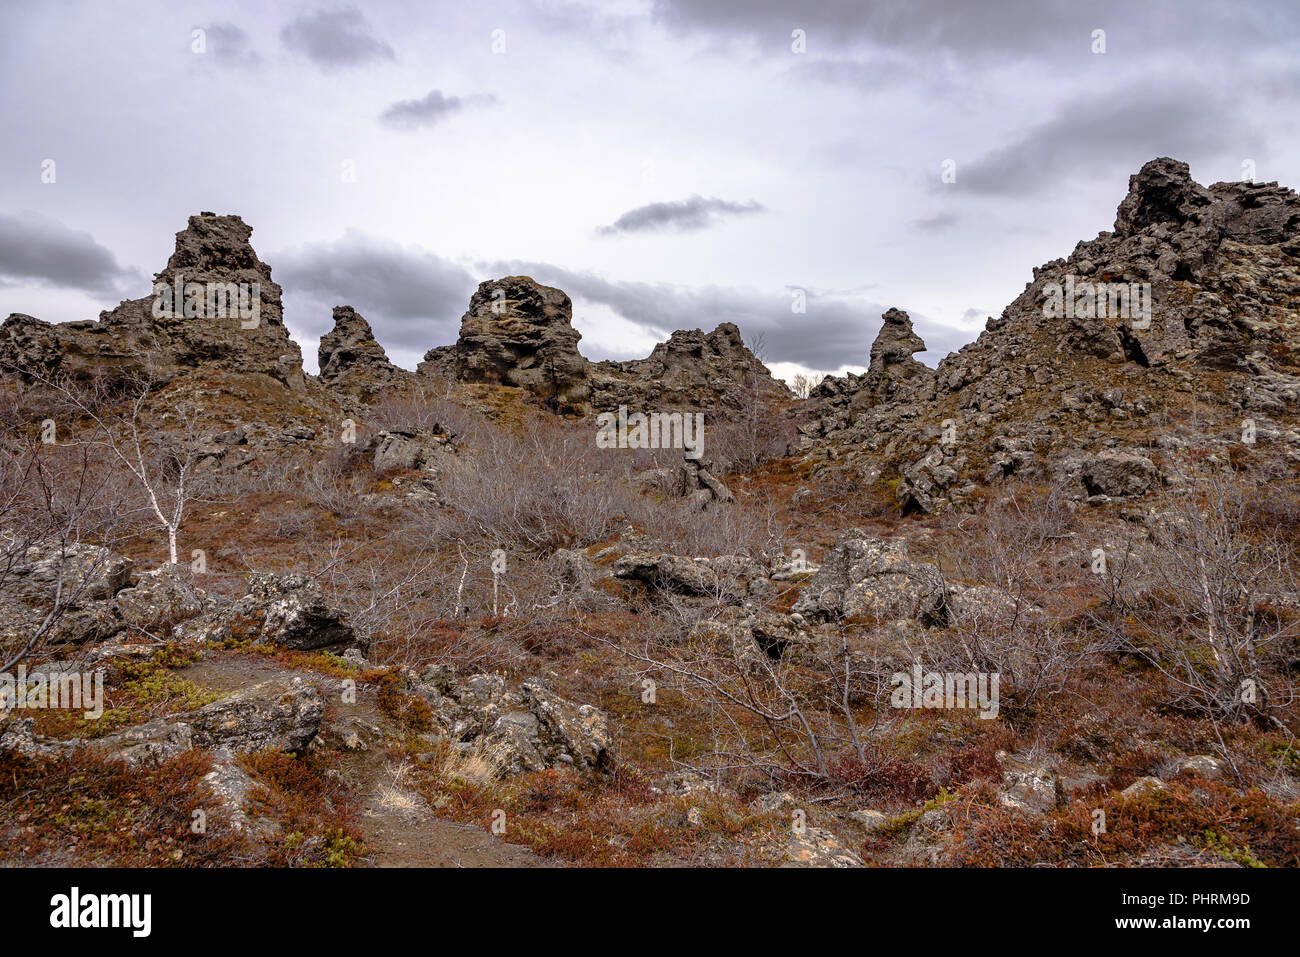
(668, 164)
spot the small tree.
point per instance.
(161, 461)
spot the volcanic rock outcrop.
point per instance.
(352, 360)
(1184, 317)
(693, 369)
(519, 332)
(516, 332)
(212, 266)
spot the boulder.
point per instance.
(75, 582)
(1143, 786)
(159, 600)
(76, 572)
(150, 743)
(1027, 787)
(867, 576)
(818, 847)
(928, 840)
(1205, 765)
(231, 788)
(403, 449)
(754, 638)
(870, 819)
(694, 480)
(775, 802)
(291, 611)
(282, 713)
(531, 730)
(726, 578)
(1118, 474)
(985, 605)
(574, 734)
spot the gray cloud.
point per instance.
(695, 212)
(429, 109)
(1014, 27)
(229, 46)
(1110, 138)
(340, 37)
(1010, 29)
(34, 248)
(412, 298)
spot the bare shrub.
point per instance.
(330, 483)
(1211, 604)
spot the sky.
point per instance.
(670, 165)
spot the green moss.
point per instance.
(1219, 845)
(899, 823)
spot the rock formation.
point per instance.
(518, 332)
(213, 265)
(351, 360)
(693, 369)
(531, 730)
(1191, 300)
(891, 355)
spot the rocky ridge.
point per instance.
(1077, 398)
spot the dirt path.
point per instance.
(400, 828)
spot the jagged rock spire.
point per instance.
(891, 354)
(351, 359)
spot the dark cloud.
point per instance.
(1110, 137)
(1009, 27)
(695, 212)
(228, 45)
(834, 331)
(429, 109)
(412, 298)
(340, 37)
(1007, 30)
(34, 248)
